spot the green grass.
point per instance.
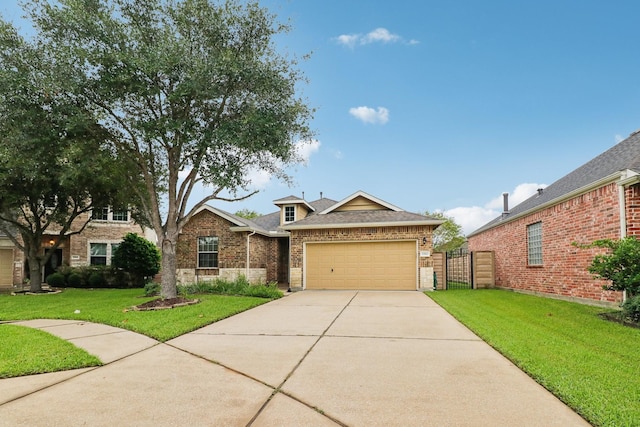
(26, 351)
(107, 306)
(591, 364)
(113, 307)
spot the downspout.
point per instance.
(248, 253)
(623, 221)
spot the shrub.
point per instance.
(631, 309)
(241, 287)
(74, 280)
(151, 289)
(96, 280)
(137, 256)
(56, 280)
(621, 265)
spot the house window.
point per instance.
(100, 214)
(106, 214)
(101, 253)
(121, 215)
(534, 243)
(208, 252)
(289, 213)
(98, 253)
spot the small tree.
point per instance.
(621, 265)
(138, 257)
(448, 236)
(247, 213)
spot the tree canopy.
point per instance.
(54, 163)
(192, 92)
(448, 236)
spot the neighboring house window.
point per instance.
(121, 215)
(98, 253)
(106, 214)
(100, 214)
(534, 243)
(289, 213)
(207, 252)
(101, 253)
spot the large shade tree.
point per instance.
(54, 163)
(193, 91)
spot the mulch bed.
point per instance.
(163, 304)
(615, 317)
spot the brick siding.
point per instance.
(583, 219)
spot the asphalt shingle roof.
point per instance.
(625, 155)
(360, 217)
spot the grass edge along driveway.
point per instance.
(589, 363)
(108, 306)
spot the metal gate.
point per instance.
(459, 266)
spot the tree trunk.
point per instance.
(169, 289)
(35, 275)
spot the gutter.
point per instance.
(361, 224)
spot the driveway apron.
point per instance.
(313, 358)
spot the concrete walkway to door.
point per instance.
(313, 358)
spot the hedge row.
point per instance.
(93, 276)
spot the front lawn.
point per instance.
(26, 351)
(589, 363)
(113, 307)
(107, 306)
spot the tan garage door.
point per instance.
(361, 265)
(6, 267)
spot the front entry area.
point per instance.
(387, 265)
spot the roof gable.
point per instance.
(361, 201)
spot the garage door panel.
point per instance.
(6, 267)
(361, 265)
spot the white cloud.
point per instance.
(619, 138)
(473, 217)
(379, 35)
(306, 148)
(349, 40)
(370, 115)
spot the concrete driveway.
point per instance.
(313, 358)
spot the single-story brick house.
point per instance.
(532, 241)
(93, 246)
(361, 242)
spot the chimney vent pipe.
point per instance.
(505, 202)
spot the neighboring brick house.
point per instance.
(532, 241)
(360, 242)
(93, 246)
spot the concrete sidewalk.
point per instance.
(314, 358)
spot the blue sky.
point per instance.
(445, 105)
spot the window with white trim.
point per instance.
(100, 214)
(108, 214)
(121, 215)
(289, 213)
(534, 243)
(101, 253)
(208, 252)
(98, 253)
